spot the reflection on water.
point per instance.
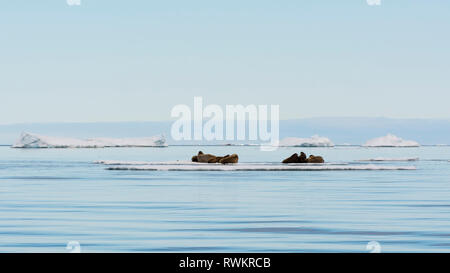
(53, 196)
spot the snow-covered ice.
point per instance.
(185, 162)
(195, 166)
(28, 140)
(314, 141)
(390, 141)
(259, 167)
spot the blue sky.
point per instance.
(135, 60)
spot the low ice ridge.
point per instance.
(257, 167)
(390, 141)
(314, 141)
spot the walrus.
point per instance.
(292, 159)
(314, 159)
(234, 158)
(205, 158)
(302, 158)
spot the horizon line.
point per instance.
(164, 121)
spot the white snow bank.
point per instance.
(257, 167)
(314, 141)
(390, 141)
(391, 159)
(28, 140)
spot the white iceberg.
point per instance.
(314, 141)
(390, 141)
(28, 140)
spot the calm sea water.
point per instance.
(49, 197)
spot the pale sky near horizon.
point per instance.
(135, 60)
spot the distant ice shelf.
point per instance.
(390, 141)
(314, 141)
(28, 140)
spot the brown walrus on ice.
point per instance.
(295, 158)
(302, 158)
(292, 159)
(315, 159)
(209, 158)
(234, 158)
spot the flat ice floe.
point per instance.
(121, 162)
(28, 140)
(378, 159)
(314, 141)
(257, 167)
(390, 141)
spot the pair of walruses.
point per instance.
(295, 158)
(209, 158)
